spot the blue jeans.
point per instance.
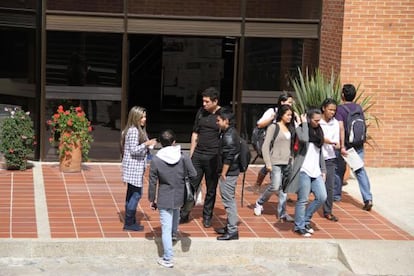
(133, 196)
(308, 184)
(169, 224)
(228, 193)
(363, 181)
(276, 181)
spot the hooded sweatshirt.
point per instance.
(167, 171)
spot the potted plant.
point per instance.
(17, 139)
(73, 130)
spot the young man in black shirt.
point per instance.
(204, 154)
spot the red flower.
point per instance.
(56, 116)
(78, 109)
(60, 109)
(70, 123)
(67, 112)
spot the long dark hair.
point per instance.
(283, 98)
(281, 111)
(315, 133)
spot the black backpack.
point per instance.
(355, 128)
(244, 155)
(258, 136)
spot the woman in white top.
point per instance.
(308, 174)
(330, 127)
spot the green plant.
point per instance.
(311, 90)
(17, 139)
(70, 127)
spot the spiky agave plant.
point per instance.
(312, 90)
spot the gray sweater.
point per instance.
(167, 170)
(280, 153)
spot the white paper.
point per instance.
(353, 159)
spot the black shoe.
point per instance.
(228, 236)
(133, 227)
(184, 220)
(207, 222)
(331, 217)
(368, 205)
(221, 231)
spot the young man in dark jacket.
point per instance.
(229, 151)
(168, 169)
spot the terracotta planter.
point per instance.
(72, 160)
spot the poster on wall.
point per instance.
(189, 66)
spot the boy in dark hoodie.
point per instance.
(167, 171)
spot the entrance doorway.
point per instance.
(168, 73)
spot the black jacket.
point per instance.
(229, 150)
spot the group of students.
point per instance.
(309, 143)
(316, 142)
(214, 155)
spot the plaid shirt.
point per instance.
(134, 159)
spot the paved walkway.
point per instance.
(79, 213)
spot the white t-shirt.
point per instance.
(311, 164)
(331, 132)
(269, 113)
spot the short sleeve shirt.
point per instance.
(342, 114)
(205, 125)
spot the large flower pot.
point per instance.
(71, 161)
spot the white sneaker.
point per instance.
(258, 209)
(309, 229)
(165, 263)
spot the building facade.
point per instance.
(108, 56)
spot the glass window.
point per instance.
(17, 71)
(269, 62)
(84, 69)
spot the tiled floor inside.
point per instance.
(90, 204)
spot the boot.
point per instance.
(260, 178)
(130, 221)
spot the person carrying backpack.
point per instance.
(267, 118)
(277, 154)
(353, 135)
(228, 169)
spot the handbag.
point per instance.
(188, 191)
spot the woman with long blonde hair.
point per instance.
(135, 146)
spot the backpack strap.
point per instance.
(277, 128)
